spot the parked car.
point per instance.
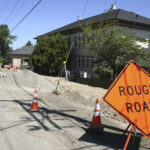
(6, 65)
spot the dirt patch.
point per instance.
(84, 95)
(30, 81)
(78, 94)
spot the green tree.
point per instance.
(50, 51)
(5, 40)
(114, 46)
(29, 43)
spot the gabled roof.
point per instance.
(117, 14)
(25, 50)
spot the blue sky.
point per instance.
(51, 14)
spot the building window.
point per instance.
(69, 41)
(26, 60)
(83, 61)
(79, 41)
(87, 61)
(91, 61)
(78, 60)
(75, 60)
(93, 39)
(83, 41)
(75, 41)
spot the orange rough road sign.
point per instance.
(129, 95)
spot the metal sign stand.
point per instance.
(129, 136)
(126, 129)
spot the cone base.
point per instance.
(34, 106)
(96, 121)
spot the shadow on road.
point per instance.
(111, 139)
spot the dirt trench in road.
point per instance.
(59, 124)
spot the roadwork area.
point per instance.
(62, 120)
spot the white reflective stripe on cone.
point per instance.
(35, 95)
(96, 113)
(35, 101)
(97, 107)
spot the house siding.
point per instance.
(81, 60)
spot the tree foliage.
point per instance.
(29, 43)
(5, 40)
(1, 60)
(113, 45)
(50, 51)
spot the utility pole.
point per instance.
(62, 70)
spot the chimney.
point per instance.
(79, 18)
(113, 7)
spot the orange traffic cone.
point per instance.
(96, 126)
(96, 120)
(34, 106)
(13, 67)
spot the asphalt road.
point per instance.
(58, 125)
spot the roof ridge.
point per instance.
(119, 14)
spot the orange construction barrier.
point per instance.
(34, 106)
(96, 126)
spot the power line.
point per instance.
(12, 10)
(25, 16)
(5, 6)
(16, 11)
(84, 7)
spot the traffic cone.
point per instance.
(96, 126)
(34, 106)
(96, 120)
(13, 67)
